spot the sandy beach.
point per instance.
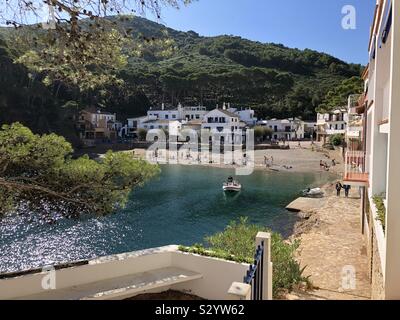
(305, 158)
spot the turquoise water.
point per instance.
(180, 206)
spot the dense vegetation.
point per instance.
(164, 65)
(37, 174)
(237, 243)
(338, 96)
(381, 210)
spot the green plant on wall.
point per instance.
(381, 210)
(237, 243)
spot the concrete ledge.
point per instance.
(126, 275)
(120, 288)
(305, 204)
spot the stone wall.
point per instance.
(375, 266)
(377, 286)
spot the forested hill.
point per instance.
(279, 81)
(174, 66)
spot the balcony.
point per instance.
(361, 103)
(335, 131)
(355, 174)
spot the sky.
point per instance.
(313, 24)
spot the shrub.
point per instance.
(336, 140)
(142, 134)
(262, 133)
(380, 207)
(237, 243)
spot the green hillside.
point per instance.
(277, 81)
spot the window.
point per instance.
(373, 50)
(197, 116)
(174, 116)
(166, 117)
(388, 23)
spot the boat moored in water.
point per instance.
(313, 193)
(231, 185)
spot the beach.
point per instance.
(305, 158)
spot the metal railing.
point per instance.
(355, 165)
(254, 275)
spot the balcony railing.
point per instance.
(355, 168)
(335, 131)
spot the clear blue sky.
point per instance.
(314, 24)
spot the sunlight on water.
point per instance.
(181, 206)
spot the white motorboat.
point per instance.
(231, 185)
(316, 192)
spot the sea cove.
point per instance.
(180, 206)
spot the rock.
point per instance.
(305, 215)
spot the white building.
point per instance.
(222, 120)
(173, 127)
(246, 115)
(331, 123)
(286, 129)
(310, 129)
(373, 162)
(180, 114)
(165, 119)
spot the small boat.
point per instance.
(231, 185)
(313, 193)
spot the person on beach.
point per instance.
(346, 190)
(333, 162)
(338, 188)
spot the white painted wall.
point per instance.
(218, 275)
(392, 267)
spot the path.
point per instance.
(332, 242)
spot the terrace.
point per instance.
(156, 270)
(355, 157)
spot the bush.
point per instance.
(336, 140)
(262, 133)
(142, 134)
(381, 210)
(237, 243)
